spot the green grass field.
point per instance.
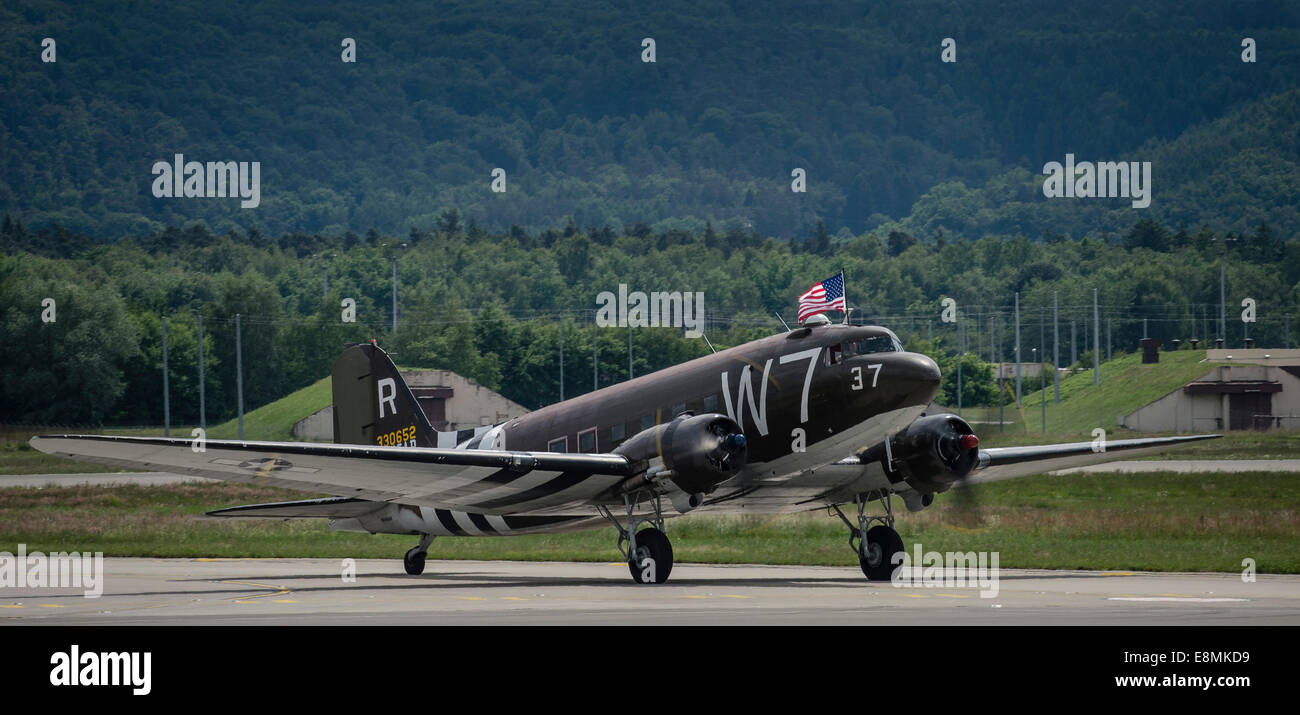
(1157, 522)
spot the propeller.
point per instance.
(729, 454)
(965, 511)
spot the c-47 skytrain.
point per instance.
(821, 416)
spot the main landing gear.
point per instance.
(879, 548)
(414, 559)
(649, 554)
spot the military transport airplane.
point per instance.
(817, 417)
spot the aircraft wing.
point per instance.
(483, 481)
(998, 463)
(326, 508)
(839, 482)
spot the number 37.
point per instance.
(857, 375)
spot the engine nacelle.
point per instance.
(934, 452)
(699, 452)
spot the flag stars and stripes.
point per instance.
(826, 295)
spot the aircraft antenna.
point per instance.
(706, 342)
(778, 317)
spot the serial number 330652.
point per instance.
(404, 437)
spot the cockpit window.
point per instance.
(873, 344)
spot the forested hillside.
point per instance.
(740, 94)
(495, 307)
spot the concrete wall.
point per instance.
(1180, 411)
(471, 405)
(1261, 356)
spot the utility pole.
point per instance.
(167, 400)
(561, 358)
(1056, 348)
(203, 414)
(1042, 364)
(961, 352)
(1017, 349)
(595, 357)
(998, 362)
(1096, 336)
(629, 350)
(239, 374)
(1223, 300)
(394, 294)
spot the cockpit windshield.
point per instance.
(873, 344)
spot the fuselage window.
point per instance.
(711, 403)
(679, 408)
(559, 444)
(647, 421)
(587, 441)
(834, 354)
(617, 432)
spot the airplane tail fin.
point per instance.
(373, 404)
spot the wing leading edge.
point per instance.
(486, 481)
(998, 463)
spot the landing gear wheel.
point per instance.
(653, 560)
(877, 553)
(414, 561)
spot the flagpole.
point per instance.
(847, 310)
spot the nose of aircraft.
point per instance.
(921, 374)
(893, 380)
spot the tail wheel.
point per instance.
(878, 550)
(653, 559)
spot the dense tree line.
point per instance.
(495, 305)
(740, 94)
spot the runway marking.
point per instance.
(16, 605)
(50, 605)
(1182, 599)
(283, 600)
(275, 590)
(728, 595)
(1118, 573)
(913, 595)
(687, 596)
(471, 598)
(512, 598)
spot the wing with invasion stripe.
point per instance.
(484, 481)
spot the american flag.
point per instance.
(827, 295)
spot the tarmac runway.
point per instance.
(140, 591)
